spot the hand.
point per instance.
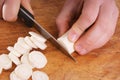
(9, 8)
(94, 25)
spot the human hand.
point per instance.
(93, 27)
(9, 8)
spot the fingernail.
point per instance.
(72, 36)
(81, 50)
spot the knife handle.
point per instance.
(25, 16)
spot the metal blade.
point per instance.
(47, 35)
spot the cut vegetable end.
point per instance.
(68, 45)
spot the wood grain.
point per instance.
(100, 64)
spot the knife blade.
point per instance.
(29, 20)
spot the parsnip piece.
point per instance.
(13, 76)
(14, 59)
(25, 60)
(38, 37)
(20, 49)
(23, 71)
(1, 69)
(38, 75)
(39, 44)
(68, 45)
(37, 59)
(13, 51)
(29, 42)
(5, 62)
(22, 42)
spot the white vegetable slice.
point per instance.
(13, 51)
(37, 59)
(39, 44)
(20, 49)
(25, 60)
(29, 42)
(1, 69)
(23, 71)
(38, 37)
(22, 42)
(5, 62)
(13, 76)
(66, 43)
(14, 58)
(38, 75)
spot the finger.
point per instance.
(1, 4)
(66, 15)
(87, 18)
(26, 4)
(100, 32)
(10, 10)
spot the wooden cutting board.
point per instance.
(100, 64)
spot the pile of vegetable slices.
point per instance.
(25, 58)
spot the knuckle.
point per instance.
(89, 18)
(106, 29)
(89, 42)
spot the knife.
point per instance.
(29, 20)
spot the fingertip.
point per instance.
(10, 18)
(80, 50)
(10, 10)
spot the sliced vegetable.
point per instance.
(13, 51)
(38, 37)
(23, 71)
(5, 62)
(1, 69)
(29, 42)
(37, 59)
(39, 44)
(25, 60)
(22, 42)
(14, 59)
(13, 76)
(20, 49)
(38, 75)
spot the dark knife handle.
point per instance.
(23, 15)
